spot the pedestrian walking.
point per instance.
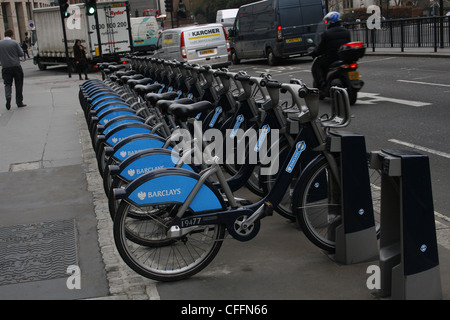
(80, 59)
(10, 54)
(25, 50)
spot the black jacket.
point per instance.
(331, 40)
(79, 55)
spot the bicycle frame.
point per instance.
(308, 140)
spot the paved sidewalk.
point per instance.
(47, 216)
(411, 52)
(54, 214)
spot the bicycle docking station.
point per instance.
(356, 239)
(409, 262)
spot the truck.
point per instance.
(144, 31)
(113, 26)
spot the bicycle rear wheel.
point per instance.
(318, 205)
(172, 260)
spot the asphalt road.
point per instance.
(403, 105)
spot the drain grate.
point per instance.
(39, 251)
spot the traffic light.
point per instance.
(91, 7)
(169, 5)
(181, 12)
(63, 6)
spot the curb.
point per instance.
(408, 54)
(123, 283)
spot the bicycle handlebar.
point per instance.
(271, 84)
(241, 77)
(220, 73)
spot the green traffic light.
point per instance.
(91, 10)
(66, 14)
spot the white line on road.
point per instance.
(443, 217)
(415, 146)
(372, 98)
(426, 83)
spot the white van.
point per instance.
(226, 17)
(144, 31)
(201, 44)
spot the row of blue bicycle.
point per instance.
(174, 143)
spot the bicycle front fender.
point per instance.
(110, 125)
(172, 186)
(134, 144)
(148, 160)
(112, 114)
(126, 130)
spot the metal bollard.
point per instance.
(356, 239)
(409, 261)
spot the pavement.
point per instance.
(56, 234)
(410, 52)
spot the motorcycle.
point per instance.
(343, 73)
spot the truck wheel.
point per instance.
(41, 66)
(234, 57)
(271, 59)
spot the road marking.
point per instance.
(443, 217)
(426, 83)
(278, 70)
(372, 98)
(415, 146)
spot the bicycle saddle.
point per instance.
(115, 67)
(164, 105)
(155, 97)
(125, 73)
(184, 111)
(125, 79)
(142, 90)
(133, 82)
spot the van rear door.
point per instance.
(171, 45)
(206, 44)
(298, 20)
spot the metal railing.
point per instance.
(427, 32)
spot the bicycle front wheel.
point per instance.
(318, 205)
(172, 260)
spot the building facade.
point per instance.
(18, 15)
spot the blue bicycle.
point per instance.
(185, 215)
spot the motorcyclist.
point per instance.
(326, 52)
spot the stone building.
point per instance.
(18, 16)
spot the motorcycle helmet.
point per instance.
(332, 17)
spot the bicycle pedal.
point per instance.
(268, 209)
